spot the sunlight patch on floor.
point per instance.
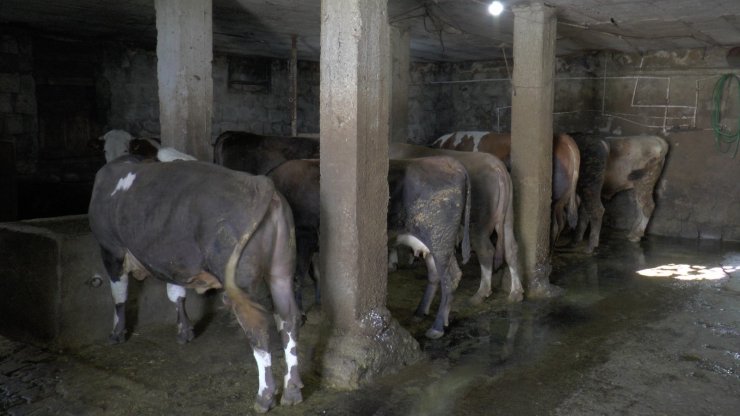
(690, 272)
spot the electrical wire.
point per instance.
(724, 140)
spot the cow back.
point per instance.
(172, 216)
(258, 154)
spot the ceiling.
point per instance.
(441, 30)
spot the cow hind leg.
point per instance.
(119, 290)
(515, 288)
(449, 271)
(484, 250)
(176, 294)
(645, 207)
(281, 290)
(582, 225)
(430, 291)
(287, 321)
(597, 215)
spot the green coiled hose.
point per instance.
(724, 140)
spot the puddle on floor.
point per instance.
(615, 343)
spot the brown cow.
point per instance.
(566, 161)
(635, 162)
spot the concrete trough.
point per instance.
(55, 289)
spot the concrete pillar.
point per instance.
(184, 55)
(399, 114)
(364, 340)
(531, 147)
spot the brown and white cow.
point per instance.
(492, 210)
(429, 203)
(635, 162)
(565, 164)
(202, 226)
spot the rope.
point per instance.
(721, 137)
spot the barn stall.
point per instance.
(647, 327)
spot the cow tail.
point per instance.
(218, 147)
(465, 245)
(240, 300)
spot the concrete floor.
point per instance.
(616, 343)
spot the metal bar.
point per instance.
(293, 98)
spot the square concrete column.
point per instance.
(364, 340)
(399, 114)
(184, 55)
(531, 147)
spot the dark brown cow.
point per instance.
(258, 154)
(429, 202)
(594, 155)
(158, 219)
(492, 210)
(635, 162)
(566, 161)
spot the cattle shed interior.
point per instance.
(646, 327)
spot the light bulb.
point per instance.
(496, 8)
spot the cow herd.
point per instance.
(249, 223)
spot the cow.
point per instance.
(594, 155)
(429, 202)
(491, 210)
(258, 154)
(565, 166)
(201, 226)
(635, 162)
(491, 193)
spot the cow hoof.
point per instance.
(634, 238)
(117, 338)
(515, 297)
(477, 299)
(263, 405)
(183, 337)
(434, 334)
(291, 396)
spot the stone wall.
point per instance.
(130, 80)
(445, 97)
(670, 94)
(18, 123)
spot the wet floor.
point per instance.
(617, 342)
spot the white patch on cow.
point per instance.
(477, 137)
(392, 258)
(124, 183)
(440, 142)
(264, 360)
(119, 289)
(175, 292)
(291, 358)
(116, 144)
(168, 154)
(279, 322)
(416, 245)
